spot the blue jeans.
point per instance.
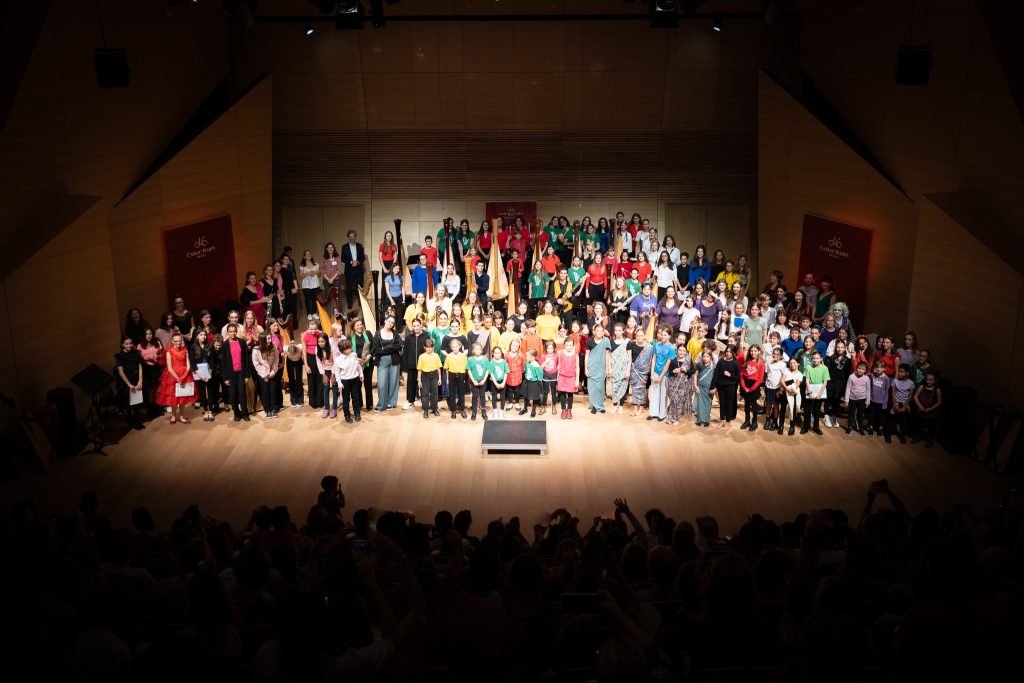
(387, 383)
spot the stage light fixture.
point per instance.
(718, 25)
(309, 28)
(664, 14)
(349, 15)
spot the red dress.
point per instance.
(567, 367)
(165, 393)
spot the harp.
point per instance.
(402, 259)
(499, 283)
(652, 325)
(470, 276)
(536, 243)
(369, 319)
(513, 287)
(577, 248)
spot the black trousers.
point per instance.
(268, 393)
(314, 383)
(812, 409)
(236, 392)
(204, 390)
(351, 397)
(368, 383)
(479, 398)
(546, 387)
(565, 399)
(899, 423)
(855, 414)
(497, 393)
(294, 368)
(456, 391)
(353, 280)
(430, 383)
(750, 404)
(309, 299)
(727, 402)
(411, 377)
(876, 417)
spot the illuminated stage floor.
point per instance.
(398, 460)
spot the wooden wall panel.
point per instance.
(943, 248)
(807, 170)
(74, 275)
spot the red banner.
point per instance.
(842, 252)
(509, 211)
(201, 264)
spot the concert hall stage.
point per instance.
(398, 460)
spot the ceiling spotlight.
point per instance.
(309, 28)
(663, 14)
(349, 15)
(718, 25)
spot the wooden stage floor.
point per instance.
(398, 460)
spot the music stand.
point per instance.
(93, 380)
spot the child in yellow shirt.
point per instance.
(429, 367)
(455, 364)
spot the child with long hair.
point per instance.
(177, 385)
(751, 379)
(792, 380)
(200, 354)
(498, 370)
(516, 362)
(619, 362)
(664, 352)
(532, 392)
(642, 354)
(478, 370)
(325, 370)
(680, 387)
(549, 367)
(568, 377)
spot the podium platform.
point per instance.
(515, 437)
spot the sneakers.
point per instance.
(827, 420)
(325, 414)
(406, 406)
(333, 414)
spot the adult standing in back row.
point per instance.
(355, 266)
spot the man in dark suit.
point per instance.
(355, 266)
(234, 367)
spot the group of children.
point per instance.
(668, 334)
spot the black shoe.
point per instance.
(453, 416)
(245, 416)
(483, 414)
(348, 418)
(359, 418)
(803, 430)
(915, 440)
(753, 426)
(472, 417)
(435, 413)
(593, 411)
(238, 418)
(523, 411)
(816, 430)
(651, 417)
(888, 438)
(533, 413)
(848, 431)
(792, 430)
(138, 425)
(426, 414)
(745, 425)
(903, 439)
(778, 430)
(462, 414)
